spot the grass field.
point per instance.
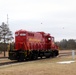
(42, 67)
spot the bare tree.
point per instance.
(5, 34)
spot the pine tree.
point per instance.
(5, 34)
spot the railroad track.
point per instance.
(66, 54)
(8, 63)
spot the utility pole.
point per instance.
(7, 19)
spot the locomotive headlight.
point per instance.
(49, 38)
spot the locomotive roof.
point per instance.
(21, 30)
(25, 31)
(43, 33)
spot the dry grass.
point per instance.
(42, 67)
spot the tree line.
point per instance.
(67, 44)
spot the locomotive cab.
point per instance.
(20, 39)
(19, 47)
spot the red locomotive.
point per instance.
(31, 45)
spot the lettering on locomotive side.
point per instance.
(34, 40)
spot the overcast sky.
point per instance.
(57, 17)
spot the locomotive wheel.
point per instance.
(55, 53)
(33, 55)
(36, 56)
(20, 56)
(20, 60)
(48, 56)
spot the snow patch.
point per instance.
(65, 62)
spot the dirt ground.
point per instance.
(42, 67)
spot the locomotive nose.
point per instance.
(19, 46)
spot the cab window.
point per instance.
(22, 34)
